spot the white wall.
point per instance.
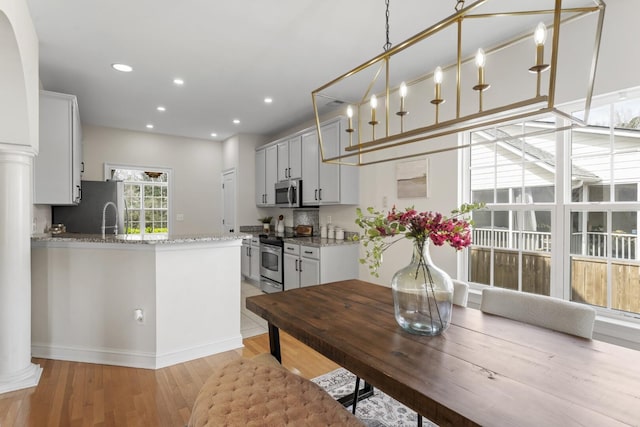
(196, 165)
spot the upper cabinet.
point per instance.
(328, 183)
(290, 158)
(266, 175)
(299, 157)
(58, 167)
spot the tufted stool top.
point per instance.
(261, 393)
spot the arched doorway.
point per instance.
(18, 143)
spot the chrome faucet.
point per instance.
(104, 211)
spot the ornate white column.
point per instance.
(16, 369)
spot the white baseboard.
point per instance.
(145, 360)
(184, 355)
(26, 378)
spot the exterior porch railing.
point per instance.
(623, 245)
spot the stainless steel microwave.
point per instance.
(289, 193)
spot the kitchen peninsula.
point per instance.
(139, 303)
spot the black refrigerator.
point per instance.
(86, 217)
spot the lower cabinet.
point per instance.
(311, 265)
(245, 258)
(250, 260)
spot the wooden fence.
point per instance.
(589, 284)
(536, 268)
(588, 277)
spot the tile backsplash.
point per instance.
(307, 217)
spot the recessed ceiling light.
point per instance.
(178, 82)
(268, 100)
(122, 67)
(214, 134)
(161, 108)
(149, 126)
(236, 121)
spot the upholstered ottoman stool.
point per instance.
(260, 392)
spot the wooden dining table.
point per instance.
(483, 370)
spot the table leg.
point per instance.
(274, 342)
(366, 392)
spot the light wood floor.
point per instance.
(83, 394)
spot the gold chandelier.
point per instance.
(464, 58)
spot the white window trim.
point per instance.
(169, 171)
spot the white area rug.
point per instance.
(378, 410)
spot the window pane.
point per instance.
(626, 114)
(600, 116)
(482, 184)
(509, 176)
(624, 234)
(626, 192)
(480, 265)
(627, 167)
(482, 155)
(539, 175)
(625, 292)
(599, 193)
(589, 281)
(590, 143)
(486, 196)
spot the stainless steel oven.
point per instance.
(271, 264)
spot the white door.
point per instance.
(229, 201)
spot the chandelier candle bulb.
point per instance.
(374, 104)
(403, 93)
(480, 62)
(540, 36)
(437, 79)
(350, 116)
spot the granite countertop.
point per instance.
(136, 239)
(317, 241)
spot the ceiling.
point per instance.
(231, 55)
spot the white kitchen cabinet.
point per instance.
(301, 266)
(261, 187)
(327, 183)
(255, 259)
(245, 258)
(57, 169)
(291, 272)
(311, 265)
(266, 175)
(250, 259)
(290, 158)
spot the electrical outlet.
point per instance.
(384, 201)
(138, 315)
(179, 217)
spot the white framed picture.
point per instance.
(412, 179)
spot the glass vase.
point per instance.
(422, 294)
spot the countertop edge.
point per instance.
(123, 240)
